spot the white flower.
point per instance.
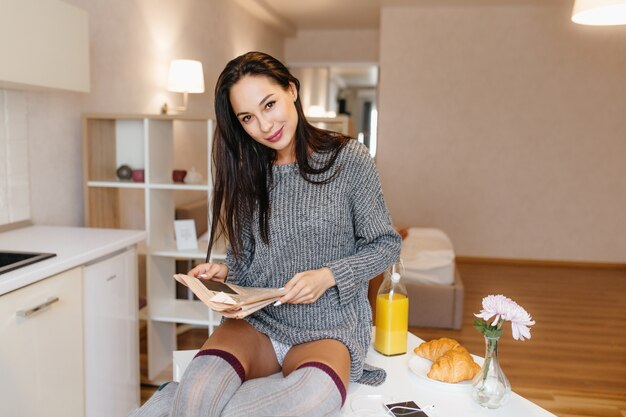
(503, 308)
(520, 322)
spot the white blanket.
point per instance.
(428, 256)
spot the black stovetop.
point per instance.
(10, 260)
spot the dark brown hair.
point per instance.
(243, 173)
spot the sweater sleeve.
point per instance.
(377, 244)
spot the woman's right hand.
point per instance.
(212, 270)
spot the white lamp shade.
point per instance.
(186, 76)
(599, 12)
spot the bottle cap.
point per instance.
(395, 277)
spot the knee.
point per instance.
(329, 352)
(252, 348)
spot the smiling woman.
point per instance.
(301, 209)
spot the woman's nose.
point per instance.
(265, 124)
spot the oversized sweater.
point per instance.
(343, 225)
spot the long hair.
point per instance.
(243, 174)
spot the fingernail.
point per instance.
(277, 303)
(281, 289)
(202, 276)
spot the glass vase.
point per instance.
(490, 387)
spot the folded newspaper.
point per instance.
(228, 299)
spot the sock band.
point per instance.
(228, 357)
(331, 373)
(163, 385)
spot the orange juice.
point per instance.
(392, 323)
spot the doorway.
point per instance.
(341, 97)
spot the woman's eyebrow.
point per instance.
(265, 98)
(260, 104)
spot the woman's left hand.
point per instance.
(306, 287)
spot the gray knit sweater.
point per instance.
(343, 225)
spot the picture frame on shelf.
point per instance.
(185, 232)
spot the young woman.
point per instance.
(301, 208)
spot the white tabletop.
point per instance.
(449, 400)
(73, 246)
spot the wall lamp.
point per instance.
(185, 76)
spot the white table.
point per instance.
(403, 385)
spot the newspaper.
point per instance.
(230, 300)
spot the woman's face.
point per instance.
(267, 113)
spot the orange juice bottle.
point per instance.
(392, 314)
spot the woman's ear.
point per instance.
(294, 91)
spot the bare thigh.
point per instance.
(330, 352)
(252, 348)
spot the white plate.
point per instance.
(421, 366)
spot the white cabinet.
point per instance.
(41, 348)
(157, 144)
(52, 50)
(111, 335)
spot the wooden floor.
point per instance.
(575, 363)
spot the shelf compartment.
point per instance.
(110, 143)
(162, 213)
(164, 307)
(178, 145)
(115, 208)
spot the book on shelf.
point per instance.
(230, 300)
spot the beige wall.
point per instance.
(505, 126)
(332, 46)
(131, 44)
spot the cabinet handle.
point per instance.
(30, 312)
(112, 277)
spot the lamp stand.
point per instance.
(165, 108)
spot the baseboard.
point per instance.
(539, 262)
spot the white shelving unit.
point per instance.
(158, 144)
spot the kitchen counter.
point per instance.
(73, 246)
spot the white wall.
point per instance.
(14, 180)
(504, 126)
(131, 44)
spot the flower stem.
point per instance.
(492, 344)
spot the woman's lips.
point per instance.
(276, 136)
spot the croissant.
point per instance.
(436, 348)
(454, 366)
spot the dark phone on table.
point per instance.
(405, 409)
(217, 286)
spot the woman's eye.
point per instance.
(270, 104)
(245, 119)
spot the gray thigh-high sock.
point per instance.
(207, 385)
(313, 390)
(160, 404)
